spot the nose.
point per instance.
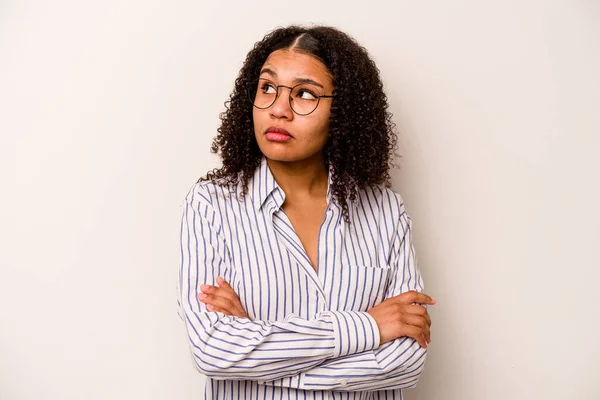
(281, 108)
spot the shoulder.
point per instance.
(379, 211)
(205, 203)
(381, 200)
(209, 194)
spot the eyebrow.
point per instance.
(297, 80)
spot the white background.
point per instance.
(107, 112)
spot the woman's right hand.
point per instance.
(404, 315)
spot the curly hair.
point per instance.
(362, 140)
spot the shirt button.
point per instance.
(343, 382)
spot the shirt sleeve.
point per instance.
(396, 364)
(225, 347)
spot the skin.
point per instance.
(309, 132)
(298, 167)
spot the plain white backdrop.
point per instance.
(107, 113)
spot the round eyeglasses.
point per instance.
(304, 97)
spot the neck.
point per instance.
(301, 179)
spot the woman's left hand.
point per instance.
(222, 299)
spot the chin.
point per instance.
(282, 156)
(279, 152)
(288, 152)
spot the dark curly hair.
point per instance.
(362, 141)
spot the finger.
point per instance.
(420, 322)
(422, 340)
(418, 310)
(212, 308)
(415, 320)
(234, 308)
(207, 288)
(415, 297)
(220, 292)
(225, 291)
(421, 298)
(427, 332)
(216, 301)
(232, 295)
(224, 284)
(413, 309)
(227, 311)
(210, 289)
(415, 333)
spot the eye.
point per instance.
(268, 88)
(306, 94)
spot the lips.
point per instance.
(279, 135)
(274, 129)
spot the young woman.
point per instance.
(298, 275)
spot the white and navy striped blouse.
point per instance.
(309, 336)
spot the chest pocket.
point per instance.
(360, 287)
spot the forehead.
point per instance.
(290, 65)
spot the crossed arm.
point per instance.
(403, 327)
(387, 351)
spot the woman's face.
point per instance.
(282, 134)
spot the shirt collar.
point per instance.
(264, 186)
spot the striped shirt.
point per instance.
(309, 335)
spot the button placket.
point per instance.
(294, 246)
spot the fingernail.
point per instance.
(201, 296)
(210, 308)
(204, 287)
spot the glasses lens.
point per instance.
(304, 99)
(264, 94)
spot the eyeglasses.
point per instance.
(304, 97)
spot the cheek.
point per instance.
(254, 116)
(257, 120)
(321, 126)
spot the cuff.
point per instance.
(355, 332)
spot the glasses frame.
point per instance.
(249, 92)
